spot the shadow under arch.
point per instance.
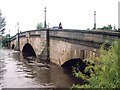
(28, 51)
(76, 63)
(13, 46)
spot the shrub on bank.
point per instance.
(107, 73)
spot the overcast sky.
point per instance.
(73, 14)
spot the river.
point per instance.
(15, 72)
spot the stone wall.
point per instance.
(61, 51)
(36, 38)
(66, 44)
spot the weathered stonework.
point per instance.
(61, 51)
(65, 44)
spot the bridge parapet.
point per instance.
(13, 38)
(85, 35)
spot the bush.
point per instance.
(107, 72)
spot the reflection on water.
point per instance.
(16, 72)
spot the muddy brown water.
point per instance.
(16, 73)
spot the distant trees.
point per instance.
(2, 23)
(39, 26)
(108, 27)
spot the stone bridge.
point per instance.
(61, 46)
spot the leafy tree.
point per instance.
(39, 26)
(2, 23)
(6, 40)
(109, 27)
(107, 71)
(2, 27)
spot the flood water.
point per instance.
(15, 72)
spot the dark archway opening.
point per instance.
(13, 46)
(79, 65)
(28, 51)
(75, 63)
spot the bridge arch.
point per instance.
(28, 51)
(75, 62)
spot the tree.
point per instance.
(39, 26)
(2, 27)
(109, 27)
(107, 72)
(2, 23)
(6, 40)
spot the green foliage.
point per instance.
(109, 27)
(107, 72)
(0, 43)
(5, 40)
(87, 72)
(80, 86)
(80, 75)
(39, 26)
(2, 23)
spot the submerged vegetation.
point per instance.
(106, 72)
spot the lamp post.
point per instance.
(94, 19)
(45, 18)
